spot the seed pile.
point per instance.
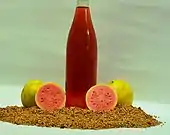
(121, 116)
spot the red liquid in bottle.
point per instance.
(81, 58)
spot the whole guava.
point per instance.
(29, 91)
(124, 91)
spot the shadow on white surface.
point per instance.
(11, 96)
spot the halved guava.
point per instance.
(50, 97)
(101, 97)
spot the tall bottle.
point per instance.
(81, 56)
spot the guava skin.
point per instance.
(29, 91)
(124, 91)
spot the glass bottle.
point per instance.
(81, 56)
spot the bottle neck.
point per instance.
(82, 3)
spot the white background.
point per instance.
(133, 41)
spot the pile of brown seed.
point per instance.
(121, 116)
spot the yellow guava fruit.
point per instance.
(124, 91)
(29, 91)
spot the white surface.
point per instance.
(8, 98)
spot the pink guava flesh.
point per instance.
(50, 97)
(101, 98)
